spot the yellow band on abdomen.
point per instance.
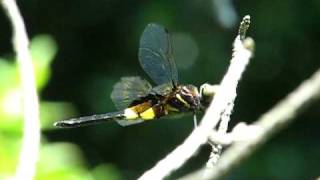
(148, 114)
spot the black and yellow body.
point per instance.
(136, 99)
(180, 99)
(150, 107)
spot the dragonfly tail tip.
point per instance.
(62, 124)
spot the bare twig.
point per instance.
(269, 124)
(226, 113)
(200, 135)
(31, 138)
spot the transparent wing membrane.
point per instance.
(129, 89)
(163, 89)
(155, 55)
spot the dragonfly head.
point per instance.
(190, 95)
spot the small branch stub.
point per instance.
(244, 25)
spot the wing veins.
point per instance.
(156, 51)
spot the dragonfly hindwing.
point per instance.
(129, 89)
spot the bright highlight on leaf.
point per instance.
(43, 50)
(11, 104)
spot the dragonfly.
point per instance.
(136, 99)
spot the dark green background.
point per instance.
(98, 42)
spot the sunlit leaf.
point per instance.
(9, 153)
(106, 171)
(61, 161)
(9, 76)
(43, 49)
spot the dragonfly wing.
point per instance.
(155, 55)
(129, 89)
(162, 89)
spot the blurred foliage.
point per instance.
(57, 160)
(98, 42)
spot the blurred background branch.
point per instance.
(31, 137)
(224, 11)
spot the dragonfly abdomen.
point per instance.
(94, 119)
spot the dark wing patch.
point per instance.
(155, 55)
(129, 89)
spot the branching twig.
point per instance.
(269, 123)
(241, 132)
(31, 138)
(225, 116)
(211, 118)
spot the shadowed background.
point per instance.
(89, 45)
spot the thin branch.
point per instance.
(216, 144)
(199, 136)
(31, 137)
(270, 123)
(241, 132)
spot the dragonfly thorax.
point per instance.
(185, 98)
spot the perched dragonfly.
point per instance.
(136, 99)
